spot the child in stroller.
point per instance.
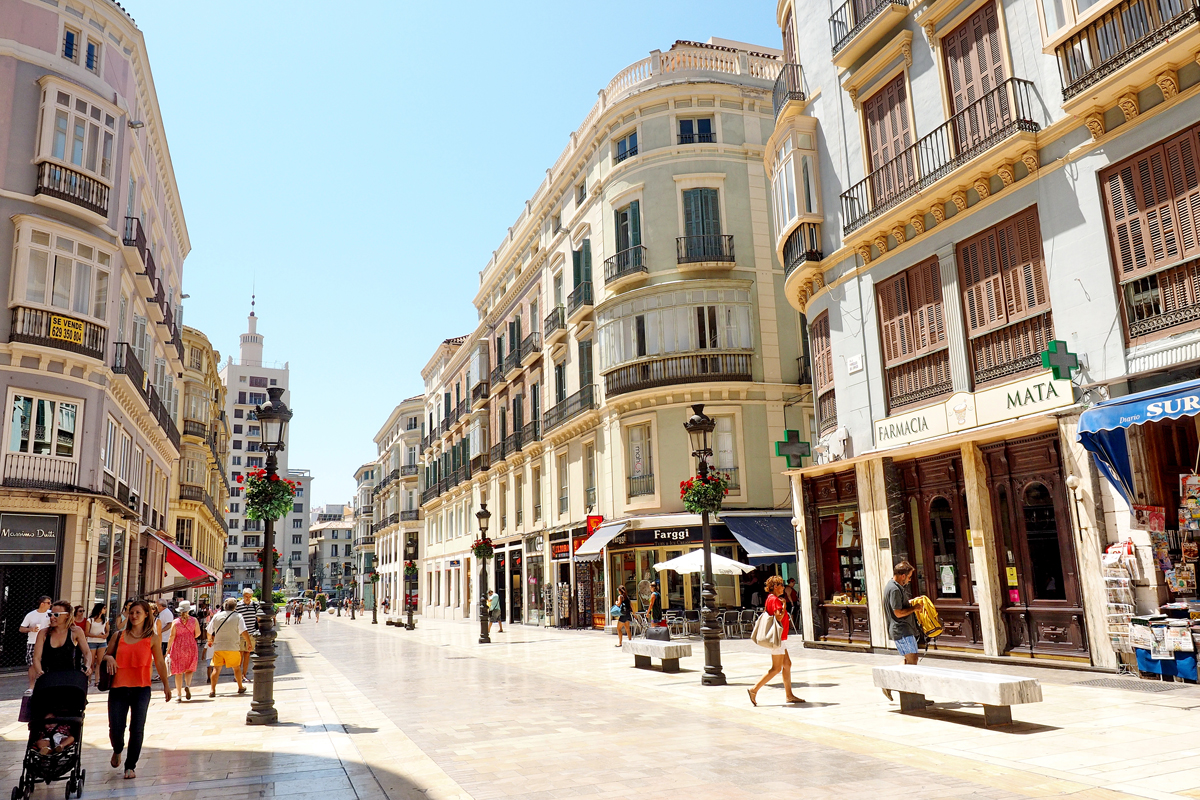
(55, 734)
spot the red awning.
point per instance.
(184, 564)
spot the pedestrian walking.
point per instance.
(902, 625)
(61, 646)
(30, 626)
(227, 636)
(780, 660)
(494, 614)
(287, 614)
(130, 654)
(655, 604)
(625, 617)
(184, 653)
(96, 631)
(80, 619)
(793, 604)
(122, 619)
(248, 609)
(164, 621)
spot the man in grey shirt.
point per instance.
(902, 625)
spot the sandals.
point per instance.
(115, 760)
(130, 774)
(794, 699)
(212, 694)
(753, 700)
(187, 690)
(241, 690)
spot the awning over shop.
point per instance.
(1102, 427)
(191, 571)
(600, 539)
(766, 539)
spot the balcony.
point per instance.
(672, 370)
(1169, 299)
(730, 474)
(479, 394)
(802, 246)
(125, 362)
(462, 409)
(573, 406)
(564, 503)
(856, 25)
(705, 250)
(409, 471)
(412, 515)
(1119, 38)
(579, 302)
(73, 187)
(697, 138)
(641, 485)
(24, 471)
(512, 364)
(555, 325)
(444, 426)
(827, 412)
(532, 432)
(481, 462)
(787, 88)
(512, 443)
(531, 348)
(918, 380)
(156, 305)
(35, 326)
(1000, 114)
(163, 416)
(198, 494)
(193, 428)
(626, 268)
(496, 379)
(429, 493)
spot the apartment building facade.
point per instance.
(199, 489)
(1000, 201)
(639, 280)
(94, 243)
(396, 497)
(246, 381)
(331, 551)
(365, 480)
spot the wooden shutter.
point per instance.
(888, 137)
(925, 301)
(973, 69)
(895, 324)
(1152, 201)
(789, 38)
(577, 266)
(983, 295)
(1022, 269)
(710, 212)
(692, 225)
(586, 261)
(635, 224)
(822, 352)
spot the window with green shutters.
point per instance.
(629, 226)
(701, 213)
(585, 362)
(581, 263)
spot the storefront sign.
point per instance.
(28, 538)
(1033, 395)
(534, 544)
(67, 329)
(456, 563)
(693, 534)
(560, 551)
(593, 522)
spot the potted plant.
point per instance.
(410, 569)
(482, 548)
(267, 497)
(702, 494)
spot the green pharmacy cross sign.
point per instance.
(1057, 359)
(793, 448)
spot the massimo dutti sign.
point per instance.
(29, 538)
(964, 410)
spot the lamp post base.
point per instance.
(262, 706)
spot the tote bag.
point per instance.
(104, 682)
(767, 632)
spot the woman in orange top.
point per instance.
(128, 658)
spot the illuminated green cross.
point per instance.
(793, 448)
(1057, 359)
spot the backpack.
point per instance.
(927, 618)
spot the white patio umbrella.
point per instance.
(694, 562)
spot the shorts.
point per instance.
(778, 651)
(29, 654)
(625, 618)
(906, 645)
(227, 658)
(96, 645)
(249, 648)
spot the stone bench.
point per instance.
(645, 649)
(996, 693)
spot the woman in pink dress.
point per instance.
(183, 651)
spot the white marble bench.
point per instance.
(645, 649)
(996, 693)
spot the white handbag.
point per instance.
(767, 632)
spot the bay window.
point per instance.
(40, 425)
(58, 272)
(75, 131)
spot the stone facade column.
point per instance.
(876, 542)
(960, 361)
(982, 536)
(804, 577)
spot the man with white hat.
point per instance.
(248, 610)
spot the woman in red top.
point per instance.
(780, 660)
(128, 658)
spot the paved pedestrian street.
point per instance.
(372, 712)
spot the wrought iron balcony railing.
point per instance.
(706, 247)
(788, 87)
(630, 261)
(51, 329)
(580, 297)
(671, 370)
(556, 320)
(641, 485)
(853, 16)
(573, 406)
(802, 246)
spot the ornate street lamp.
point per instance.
(484, 516)
(273, 418)
(700, 428)
(353, 588)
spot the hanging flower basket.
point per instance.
(276, 556)
(373, 576)
(704, 494)
(410, 568)
(482, 548)
(267, 498)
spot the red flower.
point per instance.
(239, 478)
(274, 477)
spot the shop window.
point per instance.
(1041, 536)
(945, 548)
(842, 559)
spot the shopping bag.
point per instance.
(767, 632)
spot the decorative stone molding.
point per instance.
(818, 280)
(983, 186)
(1030, 160)
(1168, 81)
(853, 97)
(1128, 104)
(906, 51)
(899, 234)
(938, 212)
(959, 199)
(930, 29)
(880, 243)
(1006, 173)
(1095, 124)
(918, 223)
(864, 252)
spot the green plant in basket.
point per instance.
(702, 494)
(267, 498)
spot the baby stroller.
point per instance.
(55, 712)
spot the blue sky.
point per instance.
(358, 162)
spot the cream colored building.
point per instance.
(640, 279)
(396, 517)
(199, 487)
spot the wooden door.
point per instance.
(889, 137)
(974, 68)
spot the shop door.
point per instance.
(502, 581)
(515, 581)
(20, 588)
(1041, 601)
